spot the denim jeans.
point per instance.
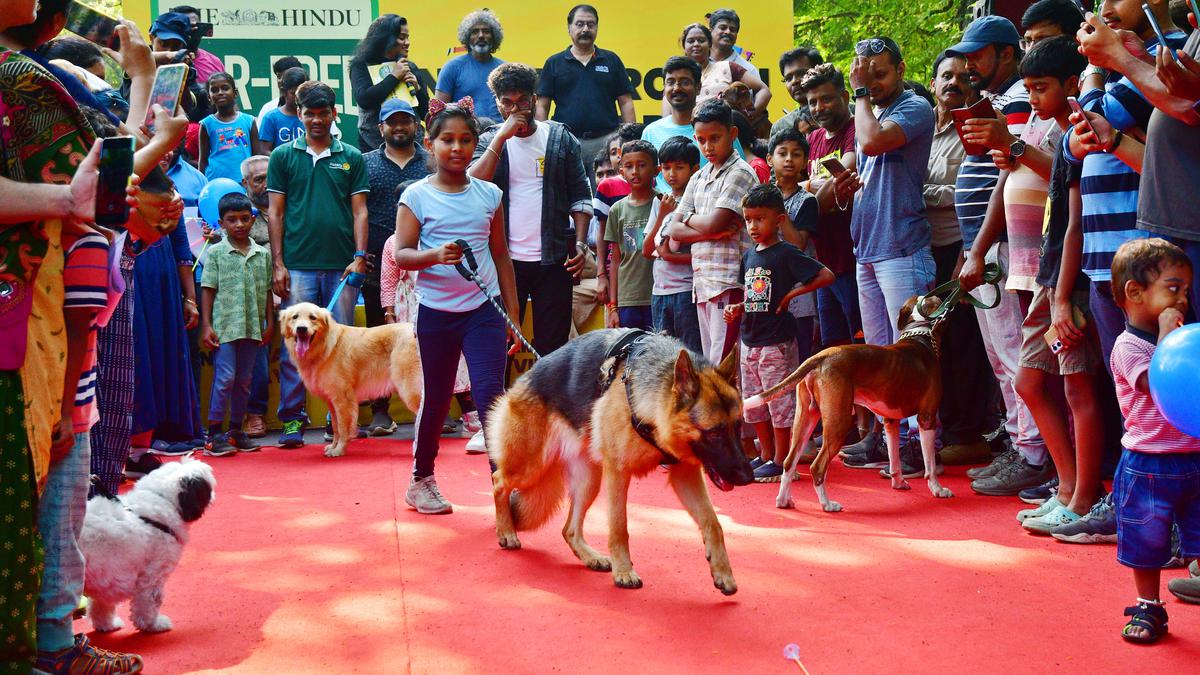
(260, 383)
(233, 371)
(675, 315)
(837, 310)
(884, 286)
(1000, 328)
(479, 337)
(316, 287)
(60, 514)
(635, 317)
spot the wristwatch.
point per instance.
(1016, 150)
(861, 92)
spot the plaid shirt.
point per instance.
(716, 264)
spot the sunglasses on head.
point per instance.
(873, 47)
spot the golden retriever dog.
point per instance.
(346, 364)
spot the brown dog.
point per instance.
(893, 382)
(740, 98)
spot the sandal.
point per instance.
(1151, 618)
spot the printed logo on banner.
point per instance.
(318, 19)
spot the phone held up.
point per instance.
(116, 166)
(92, 25)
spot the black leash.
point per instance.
(471, 274)
(622, 351)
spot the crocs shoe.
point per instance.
(1045, 507)
(1057, 517)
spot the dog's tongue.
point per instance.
(301, 346)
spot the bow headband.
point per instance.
(437, 106)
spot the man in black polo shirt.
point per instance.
(584, 82)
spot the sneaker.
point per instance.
(241, 440)
(423, 495)
(166, 449)
(136, 468)
(757, 462)
(957, 454)
(381, 424)
(1002, 460)
(1013, 478)
(477, 445)
(218, 445)
(292, 436)
(362, 432)
(1186, 589)
(875, 457)
(1057, 517)
(84, 658)
(1098, 526)
(471, 423)
(912, 462)
(768, 472)
(1041, 510)
(1039, 494)
(255, 427)
(863, 446)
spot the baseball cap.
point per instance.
(171, 26)
(984, 31)
(395, 105)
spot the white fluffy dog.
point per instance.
(132, 544)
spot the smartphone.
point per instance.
(1056, 345)
(116, 165)
(1075, 107)
(833, 166)
(168, 88)
(199, 32)
(93, 25)
(1162, 39)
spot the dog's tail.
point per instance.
(533, 506)
(786, 384)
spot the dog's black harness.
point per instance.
(104, 492)
(624, 351)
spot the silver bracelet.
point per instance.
(489, 149)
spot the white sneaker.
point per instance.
(477, 445)
(1046, 507)
(424, 496)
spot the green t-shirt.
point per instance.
(243, 283)
(318, 225)
(635, 277)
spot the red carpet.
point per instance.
(312, 565)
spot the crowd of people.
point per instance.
(711, 224)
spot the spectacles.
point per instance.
(874, 46)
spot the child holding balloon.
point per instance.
(1158, 479)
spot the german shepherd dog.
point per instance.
(584, 415)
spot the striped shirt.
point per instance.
(1146, 430)
(1025, 195)
(716, 264)
(85, 283)
(1110, 187)
(978, 175)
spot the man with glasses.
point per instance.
(586, 84)
(794, 64)
(893, 136)
(539, 168)
(990, 46)
(1049, 18)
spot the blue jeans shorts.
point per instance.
(1150, 491)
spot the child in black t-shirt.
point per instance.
(774, 272)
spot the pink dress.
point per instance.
(398, 290)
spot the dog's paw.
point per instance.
(160, 624)
(509, 541)
(901, 485)
(599, 564)
(334, 451)
(831, 507)
(784, 502)
(941, 492)
(628, 579)
(107, 625)
(725, 583)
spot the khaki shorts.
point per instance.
(763, 368)
(1035, 353)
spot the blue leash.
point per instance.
(354, 279)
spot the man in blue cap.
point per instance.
(991, 46)
(169, 32)
(400, 158)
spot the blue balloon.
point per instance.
(211, 195)
(1176, 361)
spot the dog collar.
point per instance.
(621, 352)
(921, 332)
(107, 494)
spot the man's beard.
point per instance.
(481, 49)
(260, 200)
(401, 143)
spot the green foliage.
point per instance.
(922, 28)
